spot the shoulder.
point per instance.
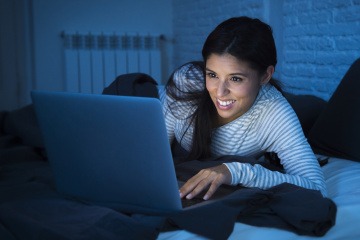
(275, 112)
(278, 127)
(189, 77)
(273, 102)
(183, 89)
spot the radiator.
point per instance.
(93, 60)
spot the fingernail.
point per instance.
(189, 196)
(206, 197)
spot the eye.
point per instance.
(211, 75)
(236, 79)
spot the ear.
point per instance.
(267, 75)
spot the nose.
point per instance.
(222, 89)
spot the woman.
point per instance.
(237, 110)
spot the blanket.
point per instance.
(31, 208)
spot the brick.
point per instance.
(315, 17)
(347, 43)
(324, 44)
(288, 71)
(305, 70)
(333, 4)
(299, 57)
(291, 6)
(325, 72)
(347, 15)
(337, 29)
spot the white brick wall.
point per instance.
(320, 41)
(195, 19)
(317, 40)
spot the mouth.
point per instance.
(225, 104)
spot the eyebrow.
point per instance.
(231, 74)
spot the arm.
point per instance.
(277, 130)
(280, 132)
(169, 118)
(177, 107)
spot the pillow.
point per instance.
(336, 132)
(23, 123)
(307, 109)
(133, 84)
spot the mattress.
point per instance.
(343, 183)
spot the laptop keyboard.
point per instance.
(190, 202)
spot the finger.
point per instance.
(212, 189)
(218, 175)
(203, 184)
(207, 177)
(222, 177)
(192, 183)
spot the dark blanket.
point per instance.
(31, 208)
(285, 206)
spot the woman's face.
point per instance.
(232, 85)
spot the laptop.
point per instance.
(109, 150)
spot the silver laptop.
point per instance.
(109, 150)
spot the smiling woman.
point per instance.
(232, 85)
(230, 105)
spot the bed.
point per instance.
(343, 182)
(31, 208)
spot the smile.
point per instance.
(225, 103)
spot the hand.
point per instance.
(212, 177)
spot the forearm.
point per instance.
(257, 176)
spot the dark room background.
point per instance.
(317, 40)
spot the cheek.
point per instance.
(210, 86)
(244, 92)
(251, 94)
(240, 91)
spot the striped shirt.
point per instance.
(270, 125)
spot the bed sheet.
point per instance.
(343, 183)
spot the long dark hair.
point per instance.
(245, 38)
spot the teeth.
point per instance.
(225, 103)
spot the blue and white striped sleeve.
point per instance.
(280, 132)
(169, 118)
(187, 79)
